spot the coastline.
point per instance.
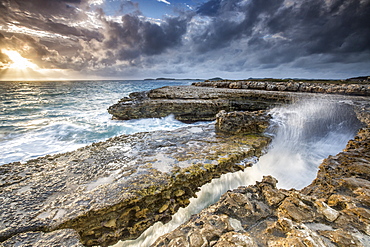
(256, 100)
(331, 211)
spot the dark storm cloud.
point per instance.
(54, 16)
(134, 37)
(129, 7)
(77, 47)
(281, 31)
(340, 27)
(225, 35)
(43, 8)
(231, 20)
(210, 8)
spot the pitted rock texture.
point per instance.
(66, 237)
(191, 103)
(333, 211)
(242, 122)
(116, 189)
(292, 86)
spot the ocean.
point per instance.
(47, 117)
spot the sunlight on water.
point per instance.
(39, 118)
(303, 135)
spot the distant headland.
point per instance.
(361, 79)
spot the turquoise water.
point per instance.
(39, 118)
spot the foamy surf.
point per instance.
(40, 118)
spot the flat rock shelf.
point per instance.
(115, 189)
(193, 103)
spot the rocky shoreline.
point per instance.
(203, 100)
(332, 211)
(116, 189)
(292, 86)
(192, 103)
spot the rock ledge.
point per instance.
(333, 211)
(115, 189)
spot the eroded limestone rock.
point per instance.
(65, 237)
(191, 103)
(332, 211)
(242, 122)
(116, 189)
(292, 86)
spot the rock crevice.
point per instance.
(116, 189)
(334, 210)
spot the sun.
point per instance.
(19, 62)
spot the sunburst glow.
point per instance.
(19, 62)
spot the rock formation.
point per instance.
(332, 211)
(115, 189)
(190, 103)
(242, 122)
(203, 100)
(64, 237)
(293, 86)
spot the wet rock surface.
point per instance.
(242, 122)
(292, 86)
(115, 189)
(66, 237)
(191, 103)
(332, 211)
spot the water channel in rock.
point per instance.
(303, 135)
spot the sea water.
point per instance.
(48, 117)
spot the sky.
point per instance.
(234, 39)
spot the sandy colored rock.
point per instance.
(191, 103)
(66, 237)
(293, 86)
(118, 188)
(332, 211)
(253, 122)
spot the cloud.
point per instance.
(164, 1)
(276, 32)
(131, 39)
(231, 37)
